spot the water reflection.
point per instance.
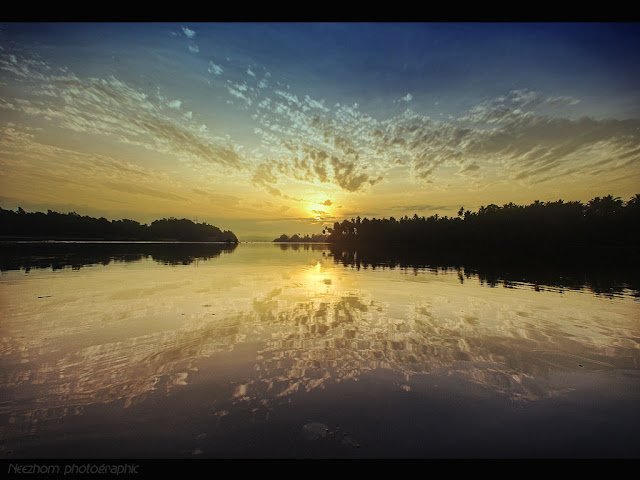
(315, 247)
(515, 352)
(600, 275)
(60, 255)
(76, 338)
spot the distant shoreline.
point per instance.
(99, 240)
(21, 225)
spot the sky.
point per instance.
(272, 128)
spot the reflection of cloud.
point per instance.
(339, 336)
(311, 328)
(124, 372)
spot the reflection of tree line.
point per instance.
(604, 275)
(28, 255)
(314, 247)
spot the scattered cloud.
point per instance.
(111, 108)
(215, 69)
(521, 134)
(416, 208)
(188, 32)
(407, 98)
(23, 155)
(525, 136)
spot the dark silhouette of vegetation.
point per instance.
(511, 229)
(60, 226)
(315, 238)
(27, 255)
(558, 244)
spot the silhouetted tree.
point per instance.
(54, 225)
(540, 226)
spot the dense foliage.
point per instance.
(54, 225)
(558, 225)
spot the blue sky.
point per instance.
(270, 128)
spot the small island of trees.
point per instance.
(19, 224)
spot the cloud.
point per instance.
(327, 202)
(188, 32)
(522, 134)
(417, 207)
(309, 142)
(65, 170)
(238, 91)
(193, 48)
(215, 69)
(114, 109)
(288, 96)
(472, 167)
(407, 98)
(348, 177)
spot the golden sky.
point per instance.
(272, 128)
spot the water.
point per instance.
(263, 351)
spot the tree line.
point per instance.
(552, 226)
(52, 225)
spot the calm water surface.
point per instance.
(272, 351)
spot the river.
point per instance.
(287, 351)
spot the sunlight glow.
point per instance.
(320, 209)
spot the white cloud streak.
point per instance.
(188, 32)
(215, 69)
(522, 134)
(114, 109)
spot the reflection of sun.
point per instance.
(317, 279)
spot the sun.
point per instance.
(320, 209)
